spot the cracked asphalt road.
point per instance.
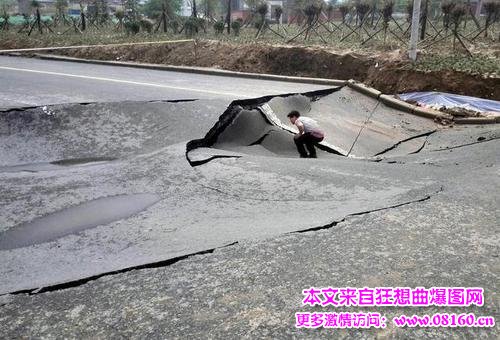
(232, 242)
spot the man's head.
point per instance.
(293, 115)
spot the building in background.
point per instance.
(49, 6)
(240, 10)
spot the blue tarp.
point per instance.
(449, 100)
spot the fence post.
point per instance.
(415, 23)
(195, 50)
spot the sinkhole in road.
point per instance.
(77, 218)
(355, 125)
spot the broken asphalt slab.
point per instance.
(195, 208)
(254, 288)
(334, 221)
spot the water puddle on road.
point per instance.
(74, 219)
(82, 161)
(56, 165)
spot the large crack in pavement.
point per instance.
(26, 108)
(425, 134)
(204, 161)
(335, 223)
(466, 144)
(82, 281)
(421, 147)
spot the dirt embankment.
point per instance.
(392, 79)
(385, 71)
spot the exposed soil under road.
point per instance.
(384, 71)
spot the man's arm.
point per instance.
(300, 126)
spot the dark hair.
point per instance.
(293, 114)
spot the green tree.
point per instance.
(131, 10)
(228, 17)
(153, 8)
(35, 4)
(253, 4)
(61, 7)
(120, 15)
(7, 5)
(194, 12)
(102, 10)
(209, 7)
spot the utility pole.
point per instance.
(415, 23)
(424, 19)
(478, 8)
(228, 17)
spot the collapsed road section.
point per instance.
(220, 202)
(356, 125)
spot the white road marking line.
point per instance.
(124, 81)
(90, 46)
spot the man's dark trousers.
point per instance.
(308, 140)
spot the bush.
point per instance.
(457, 14)
(47, 19)
(278, 11)
(258, 23)
(236, 26)
(492, 9)
(344, 10)
(362, 9)
(219, 27)
(4, 20)
(132, 27)
(146, 25)
(262, 9)
(119, 14)
(175, 25)
(201, 23)
(329, 11)
(387, 11)
(191, 26)
(447, 8)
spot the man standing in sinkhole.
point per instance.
(308, 136)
